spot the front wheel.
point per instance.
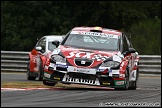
(41, 72)
(49, 83)
(133, 85)
(29, 77)
(126, 82)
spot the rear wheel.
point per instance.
(29, 77)
(49, 83)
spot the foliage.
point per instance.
(146, 36)
(22, 22)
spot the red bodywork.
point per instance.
(72, 53)
(35, 57)
(128, 63)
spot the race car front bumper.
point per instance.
(90, 77)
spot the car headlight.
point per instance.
(112, 64)
(58, 58)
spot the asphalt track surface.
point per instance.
(147, 94)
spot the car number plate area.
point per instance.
(81, 70)
(80, 80)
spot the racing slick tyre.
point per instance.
(49, 83)
(133, 84)
(41, 71)
(126, 86)
(29, 77)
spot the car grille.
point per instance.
(61, 69)
(83, 62)
(82, 75)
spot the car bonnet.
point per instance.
(96, 56)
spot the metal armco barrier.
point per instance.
(16, 61)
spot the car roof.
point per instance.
(51, 37)
(97, 29)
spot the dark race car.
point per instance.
(93, 56)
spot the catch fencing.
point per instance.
(16, 61)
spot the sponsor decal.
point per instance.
(80, 80)
(108, 70)
(121, 75)
(119, 82)
(106, 83)
(80, 54)
(56, 78)
(82, 70)
(47, 75)
(88, 55)
(100, 34)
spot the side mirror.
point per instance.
(56, 43)
(130, 50)
(39, 48)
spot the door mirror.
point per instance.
(39, 48)
(130, 50)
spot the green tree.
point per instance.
(146, 36)
(22, 22)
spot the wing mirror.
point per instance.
(39, 48)
(130, 50)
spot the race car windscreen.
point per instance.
(95, 42)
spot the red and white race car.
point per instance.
(38, 55)
(94, 56)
